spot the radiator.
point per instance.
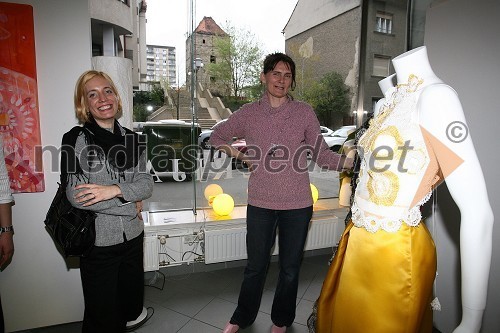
(150, 253)
(227, 244)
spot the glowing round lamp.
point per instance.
(315, 193)
(223, 204)
(212, 190)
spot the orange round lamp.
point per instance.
(212, 190)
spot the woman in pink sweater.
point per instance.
(279, 133)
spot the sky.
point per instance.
(168, 22)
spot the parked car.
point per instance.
(325, 131)
(238, 143)
(338, 137)
(169, 142)
(205, 136)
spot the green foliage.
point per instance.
(157, 95)
(140, 112)
(238, 63)
(143, 99)
(234, 103)
(329, 97)
(253, 93)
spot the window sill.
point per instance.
(157, 217)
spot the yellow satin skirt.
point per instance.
(379, 283)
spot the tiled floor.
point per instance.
(201, 298)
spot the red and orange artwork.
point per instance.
(19, 116)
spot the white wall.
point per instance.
(37, 288)
(462, 38)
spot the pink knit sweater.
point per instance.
(278, 140)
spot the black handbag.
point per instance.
(72, 229)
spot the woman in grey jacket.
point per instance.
(106, 172)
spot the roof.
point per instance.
(208, 26)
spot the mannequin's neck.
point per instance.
(417, 63)
(386, 84)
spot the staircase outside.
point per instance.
(180, 108)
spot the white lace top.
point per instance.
(391, 184)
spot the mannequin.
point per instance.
(385, 85)
(439, 106)
(382, 274)
(345, 187)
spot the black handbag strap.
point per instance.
(68, 156)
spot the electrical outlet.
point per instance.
(191, 239)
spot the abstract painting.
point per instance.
(19, 114)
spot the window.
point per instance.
(96, 50)
(380, 65)
(129, 54)
(381, 45)
(384, 23)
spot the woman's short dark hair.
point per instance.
(272, 60)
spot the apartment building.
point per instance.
(161, 64)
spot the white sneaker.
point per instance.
(141, 320)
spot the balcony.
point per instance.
(116, 13)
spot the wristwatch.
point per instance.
(10, 228)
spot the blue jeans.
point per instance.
(293, 226)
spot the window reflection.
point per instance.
(357, 40)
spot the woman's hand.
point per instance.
(6, 248)
(349, 159)
(89, 194)
(138, 207)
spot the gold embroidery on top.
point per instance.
(376, 123)
(383, 187)
(385, 151)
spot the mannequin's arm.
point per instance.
(441, 115)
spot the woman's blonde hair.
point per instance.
(81, 107)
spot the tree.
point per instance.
(329, 97)
(238, 63)
(157, 96)
(140, 112)
(142, 99)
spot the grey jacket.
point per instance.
(115, 219)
